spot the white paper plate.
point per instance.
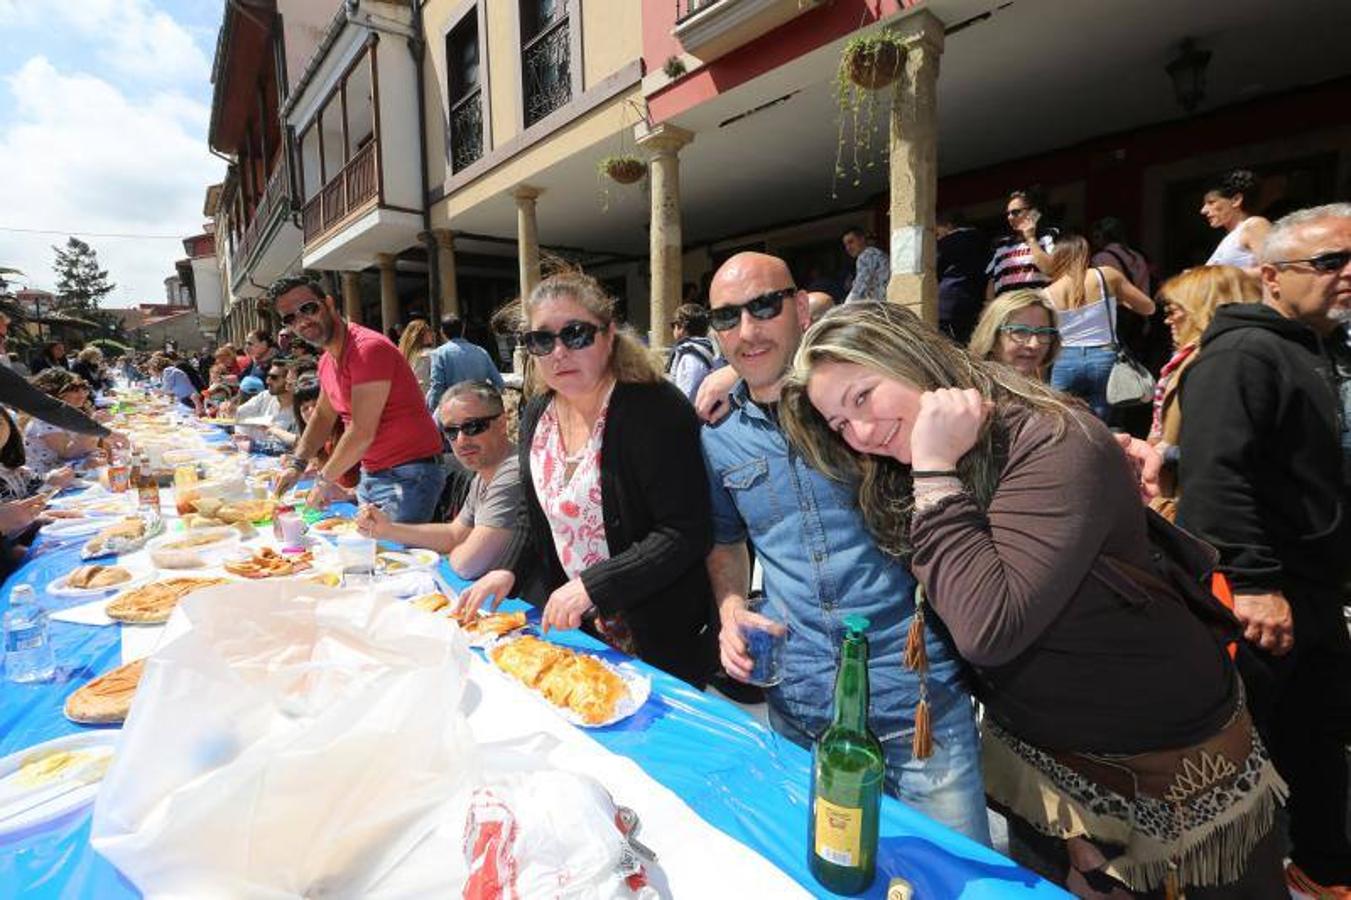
(639, 685)
(22, 806)
(74, 527)
(100, 504)
(396, 562)
(58, 588)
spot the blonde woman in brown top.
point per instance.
(1115, 726)
(1190, 300)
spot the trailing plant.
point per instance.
(624, 168)
(869, 63)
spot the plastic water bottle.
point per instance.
(28, 650)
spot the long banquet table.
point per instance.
(737, 775)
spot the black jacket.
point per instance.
(658, 524)
(1260, 467)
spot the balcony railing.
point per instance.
(708, 29)
(274, 198)
(353, 187)
(687, 8)
(546, 62)
(466, 130)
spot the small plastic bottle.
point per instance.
(28, 648)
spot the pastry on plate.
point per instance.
(96, 576)
(121, 536)
(432, 602)
(574, 681)
(496, 624)
(106, 699)
(245, 511)
(268, 563)
(335, 525)
(152, 603)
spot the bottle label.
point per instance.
(26, 638)
(838, 833)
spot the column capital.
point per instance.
(526, 192)
(662, 139)
(385, 260)
(445, 238)
(922, 31)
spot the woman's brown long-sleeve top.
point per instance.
(1064, 662)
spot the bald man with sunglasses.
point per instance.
(366, 382)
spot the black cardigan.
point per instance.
(658, 524)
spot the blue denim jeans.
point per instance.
(947, 787)
(1083, 372)
(407, 493)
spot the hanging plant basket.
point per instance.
(873, 61)
(623, 169)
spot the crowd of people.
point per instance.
(1137, 699)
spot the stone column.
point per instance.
(527, 237)
(914, 171)
(389, 295)
(351, 296)
(445, 258)
(665, 243)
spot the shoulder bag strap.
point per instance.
(1111, 317)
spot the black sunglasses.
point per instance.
(469, 427)
(574, 335)
(1323, 262)
(308, 309)
(765, 306)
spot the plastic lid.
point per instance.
(856, 625)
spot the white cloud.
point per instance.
(90, 158)
(130, 37)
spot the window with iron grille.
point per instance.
(546, 57)
(465, 90)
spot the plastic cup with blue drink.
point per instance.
(765, 633)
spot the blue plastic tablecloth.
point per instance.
(740, 777)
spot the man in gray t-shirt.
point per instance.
(472, 417)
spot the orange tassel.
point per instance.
(916, 655)
(922, 747)
(1172, 884)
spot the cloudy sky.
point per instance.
(105, 106)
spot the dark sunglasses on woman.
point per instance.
(469, 427)
(765, 306)
(574, 335)
(309, 309)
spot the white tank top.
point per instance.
(1089, 325)
(1231, 252)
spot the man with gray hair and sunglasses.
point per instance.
(474, 422)
(1263, 479)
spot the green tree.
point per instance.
(80, 283)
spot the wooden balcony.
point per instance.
(275, 199)
(354, 189)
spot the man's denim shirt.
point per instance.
(820, 562)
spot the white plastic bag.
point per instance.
(291, 741)
(548, 834)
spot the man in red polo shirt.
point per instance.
(366, 382)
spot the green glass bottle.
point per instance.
(847, 778)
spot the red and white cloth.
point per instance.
(568, 488)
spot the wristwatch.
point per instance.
(298, 464)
